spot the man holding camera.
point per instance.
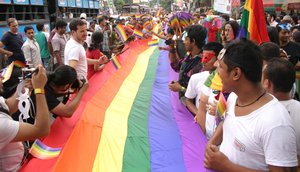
(63, 82)
(12, 133)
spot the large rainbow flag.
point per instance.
(253, 24)
(128, 120)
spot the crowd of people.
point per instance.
(259, 131)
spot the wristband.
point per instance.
(182, 89)
(39, 91)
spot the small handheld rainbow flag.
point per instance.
(221, 108)
(161, 32)
(6, 72)
(138, 33)
(115, 62)
(121, 32)
(158, 13)
(20, 64)
(297, 74)
(146, 24)
(130, 25)
(42, 151)
(153, 42)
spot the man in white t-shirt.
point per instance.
(278, 79)
(209, 56)
(74, 54)
(12, 133)
(257, 133)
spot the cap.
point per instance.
(82, 16)
(287, 18)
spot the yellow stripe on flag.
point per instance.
(111, 148)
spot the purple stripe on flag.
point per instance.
(165, 142)
(44, 147)
(242, 33)
(193, 139)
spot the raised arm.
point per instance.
(41, 126)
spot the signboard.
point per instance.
(21, 2)
(85, 3)
(78, 3)
(5, 2)
(91, 4)
(36, 2)
(235, 3)
(71, 3)
(223, 6)
(272, 2)
(62, 3)
(294, 6)
(96, 4)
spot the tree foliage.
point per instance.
(119, 4)
(166, 4)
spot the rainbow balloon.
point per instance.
(128, 120)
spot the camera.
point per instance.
(78, 83)
(27, 72)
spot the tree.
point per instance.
(119, 4)
(166, 4)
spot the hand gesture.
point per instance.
(28, 84)
(211, 108)
(174, 86)
(39, 78)
(9, 54)
(214, 159)
(102, 60)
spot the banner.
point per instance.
(223, 6)
(62, 3)
(36, 2)
(91, 3)
(128, 120)
(5, 1)
(85, 3)
(78, 3)
(71, 3)
(96, 4)
(21, 2)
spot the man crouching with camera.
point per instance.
(12, 133)
(61, 83)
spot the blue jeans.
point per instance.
(46, 62)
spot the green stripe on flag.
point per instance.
(245, 23)
(137, 151)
